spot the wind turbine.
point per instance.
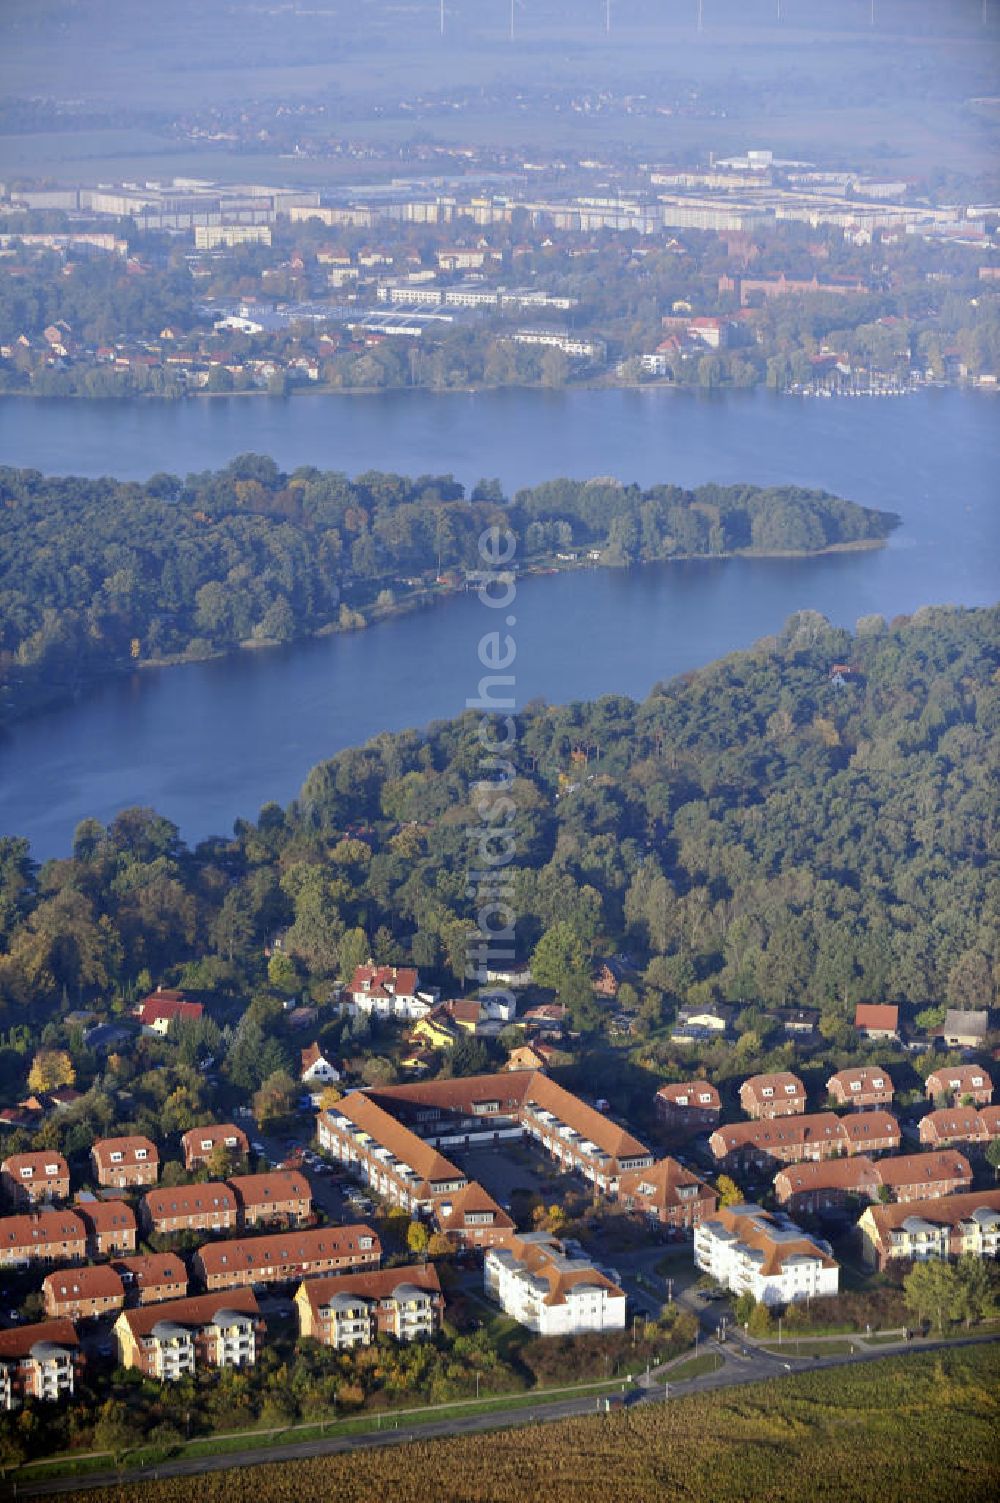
(701, 15)
(607, 16)
(442, 17)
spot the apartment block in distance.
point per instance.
(38, 1362)
(172, 1340)
(30, 1179)
(354, 1308)
(550, 1287)
(287, 1255)
(765, 1254)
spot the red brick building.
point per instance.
(861, 1087)
(287, 1255)
(687, 1109)
(35, 1178)
(125, 1163)
(669, 1195)
(83, 1293)
(767, 1096)
(111, 1227)
(279, 1197)
(962, 1084)
(171, 1341)
(472, 1220)
(181, 1208)
(42, 1237)
(200, 1143)
(821, 1135)
(153, 1278)
(351, 1311)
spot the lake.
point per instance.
(207, 742)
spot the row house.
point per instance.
(150, 1279)
(83, 1293)
(752, 1251)
(30, 1179)
(39, 1361)
(111, 1226)
(125, 1163)
(580, 1138)
(860, 1088)
(963, 1084)
(550, 1287)
(393, 1160)
(668, 1195)
(287, 1255)
(818, 1188)
(176, 1339)
(281, 1197)
(687, 1109)
(210, 1207)
(822, 1135)
(201, 1143)
(779, 1095)
(42, 1237)
(353, 1309)
(949, 1227)
(960, 1124)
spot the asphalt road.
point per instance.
(738, 1369)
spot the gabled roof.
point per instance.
(190, 1200)
(39, 1163)
(40, 1229)
(864, 1076)
(380, 1284)
(664, 1179)
(944, 1211)
(97, 1281)
(952, 1122)
(282, 1248)
(17, 1343)
(384, 980)
(152, 1270)
(924, 1168)
(962, 1022)
(190, 1313)
(959, 1078)
(107, 1215)
(865, 1127)
(130, 1148)
(852, 1175)
(218, 1132)
(275, 1185)
(367, 1115)
(883, 1017)
(471, 1200)
(777, 1240)
(693, 1090)
(782, 1083)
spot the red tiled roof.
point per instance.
(96, 1281)
(878, 1015)
(200, 1310)
(190, 1200)
(284, 1248)
(130, 1148)
(693, 1090)
(277, 1185)
(18, 1342)
(378, 1284)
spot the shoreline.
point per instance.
(44, 698)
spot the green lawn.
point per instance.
(694, 1367)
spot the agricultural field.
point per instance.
(931, 1421)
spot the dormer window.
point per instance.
(117, 1156)
(878, 1083)
(790, 1090)
(767, 1090)
(141, 1153)
(855, 1085)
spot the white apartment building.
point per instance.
(550, 1287)
(765, 1254)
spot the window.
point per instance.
(26, 1171)
(767, 1090)
(790, 1090)
(116, 1156)
(878, 1082)
(141, 1153)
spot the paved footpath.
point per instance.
(737, 1368)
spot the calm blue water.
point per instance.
(208, 742)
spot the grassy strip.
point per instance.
(791, 1347)
(367, 1424)
(694, 1367)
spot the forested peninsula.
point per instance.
(759, 833)
(98, 575)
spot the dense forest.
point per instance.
(97, 573)
(756, 833)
